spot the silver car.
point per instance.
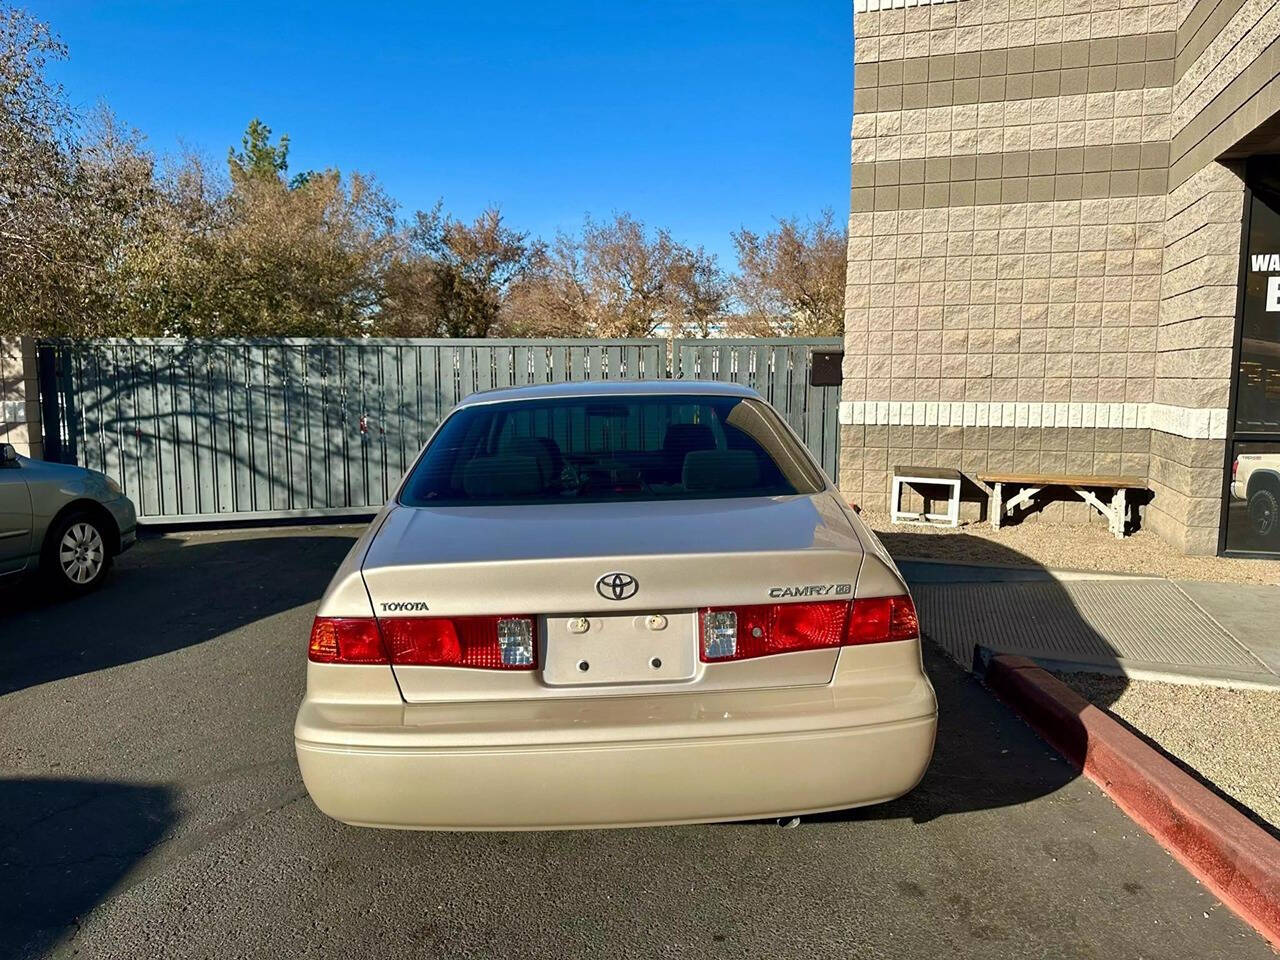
(613, 604)
(64, 521)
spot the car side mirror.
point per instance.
(8, 454)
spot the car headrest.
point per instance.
(680, 438)
(720, 470)
(501, 477)
(544, 450)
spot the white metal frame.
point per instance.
(951, 518)
(1116, 512)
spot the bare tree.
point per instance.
(791, 281)
(451, 279)
(702, 293)
(554, 299)
(618, 279)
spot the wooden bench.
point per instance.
(916, 477)
(1086, 487)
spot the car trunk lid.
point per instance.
(615, 585)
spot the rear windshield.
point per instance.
(603, 449)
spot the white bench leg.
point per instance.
(953, 505)
(995, 506)
(1119, 513)
(895, 501)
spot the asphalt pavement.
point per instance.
(150, 806)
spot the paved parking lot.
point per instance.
(150, 807)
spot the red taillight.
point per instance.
(740, 633)
(1235, 467)
(346, 640)
(881, 619)
(490, 643)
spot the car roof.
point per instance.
(610, 388)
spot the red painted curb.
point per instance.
(1225, 850)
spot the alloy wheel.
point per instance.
(81, 553)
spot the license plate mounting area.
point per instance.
(655, 647)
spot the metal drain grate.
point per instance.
(1095, 622)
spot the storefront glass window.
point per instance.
(1253, 505)
(1253, 500)
(1258, 387)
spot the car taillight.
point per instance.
(1235, 467)
(882, 619)
(740, 633)
(346, 640)
(490, 643)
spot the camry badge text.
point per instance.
(813, 590)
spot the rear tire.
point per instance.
(77, 556)
(1264, 511)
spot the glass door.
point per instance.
(1251, 511)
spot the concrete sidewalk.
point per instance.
(1146, 628)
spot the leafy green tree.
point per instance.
(258, 157)
(247, 254)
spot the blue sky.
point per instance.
(700, 115)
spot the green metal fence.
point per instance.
(217, 430)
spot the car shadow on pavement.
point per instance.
(64, 846)
(981, 760)
(163, 595)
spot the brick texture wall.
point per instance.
(1198, 297)
(1006, 231)
(1044, 241)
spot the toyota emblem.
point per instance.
(617, 586)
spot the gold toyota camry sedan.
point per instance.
(612, 604)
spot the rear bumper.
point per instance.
(781, 753)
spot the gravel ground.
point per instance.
(1230, 737)
(1064, 547)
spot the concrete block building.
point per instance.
(1053, 208)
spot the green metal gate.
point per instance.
(220, 430)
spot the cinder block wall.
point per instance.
(20, 396)
(1010, 166)
(1227, 83)
(1199, 292)
(1043, 243)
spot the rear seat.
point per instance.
(720, 470)
(502, 476)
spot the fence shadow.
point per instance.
(163, 595)
(64, 845)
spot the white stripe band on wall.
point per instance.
(1190, 422)
(871, 6)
